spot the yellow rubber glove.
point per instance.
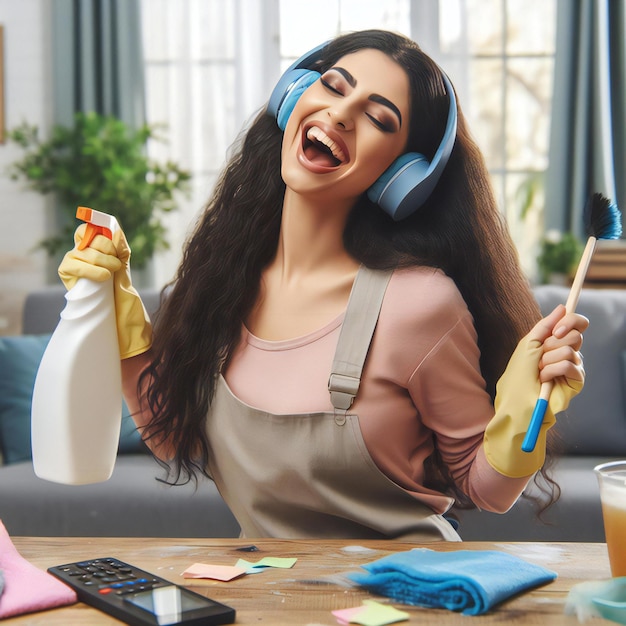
(516, 395)
(105, 257)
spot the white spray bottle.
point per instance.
(77, 398)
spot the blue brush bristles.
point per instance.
(603, 220)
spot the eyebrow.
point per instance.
(374, 97)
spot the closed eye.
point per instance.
(384, 127)
(330, 87)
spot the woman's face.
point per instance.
(347, 127)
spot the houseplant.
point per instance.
(101, 162)
(559, 256)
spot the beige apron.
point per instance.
(310, 474)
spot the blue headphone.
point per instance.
(410, 179)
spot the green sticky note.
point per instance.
(268, 561)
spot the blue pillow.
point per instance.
(19, 361)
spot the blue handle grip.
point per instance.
(532, 434)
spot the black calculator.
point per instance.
(137, 597)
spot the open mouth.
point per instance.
(320, 149)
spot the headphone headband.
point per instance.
(411, 178)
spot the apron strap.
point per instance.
(355, 337)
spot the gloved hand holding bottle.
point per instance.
(97, 261)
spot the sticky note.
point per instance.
(345, 616)
(216, 572)
(371, 613)
(268, 561)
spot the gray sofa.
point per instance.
(134, 503)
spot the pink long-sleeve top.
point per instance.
(421, 388)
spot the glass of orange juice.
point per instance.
(612, 480)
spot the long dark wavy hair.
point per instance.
(459, 229)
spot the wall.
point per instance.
(23, 214)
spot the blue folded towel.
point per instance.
(464, 580)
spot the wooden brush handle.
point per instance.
(572, 299)
(581, 273)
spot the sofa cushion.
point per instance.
(19, 361)
(132, 503)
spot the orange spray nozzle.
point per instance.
(97, 224)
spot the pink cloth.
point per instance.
(26, 588)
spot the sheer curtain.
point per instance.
(588, 145)
(209, 66)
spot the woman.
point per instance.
(294, 278)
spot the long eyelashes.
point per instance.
(380, 125)
(330, 87)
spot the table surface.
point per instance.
(307, 593)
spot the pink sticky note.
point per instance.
(216, 572)
(344, 616)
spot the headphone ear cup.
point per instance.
(301, 80)
(394, 184)
(411, 178)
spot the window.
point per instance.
(507, 48)
(498, 53)
(189, 50)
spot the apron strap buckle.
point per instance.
(343, 390)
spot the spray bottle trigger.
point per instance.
(95, 221)
(90, 232)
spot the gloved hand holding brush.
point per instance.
(548, 353)
(100, 259)
(603, 220)
(546, 364)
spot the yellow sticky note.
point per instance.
(216, 572)
(371, 613)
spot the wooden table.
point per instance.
(307, 593)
